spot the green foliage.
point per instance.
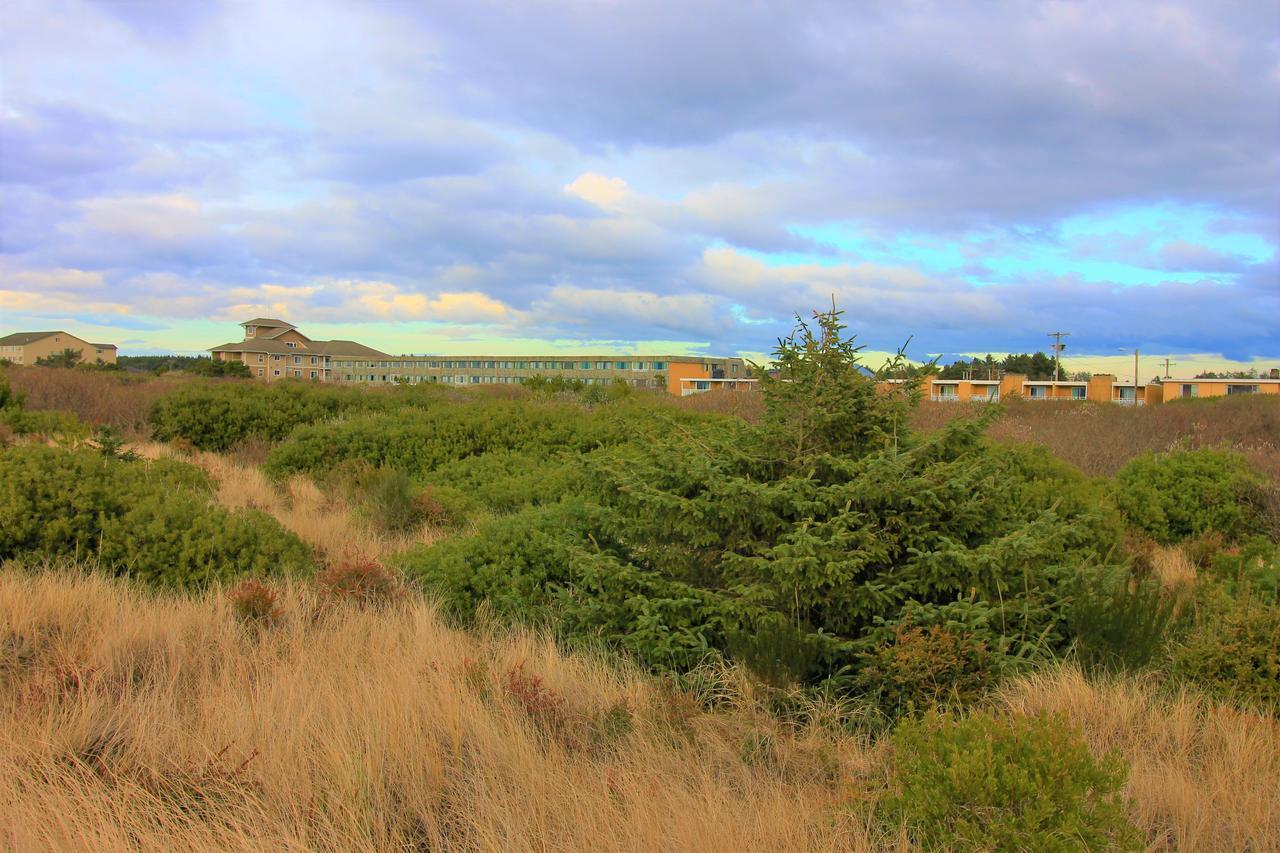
(797, 546)
(15, 416)
(1120, 622)
(154, 521)
(508, 480)
(548, 565)
(925, 668)
(1183, 494)
(1250, 569)
(553, 386)
(420, 441)
(1234, 652)
(67, 358)
(211, 367)
(215, 416)
(991, 782)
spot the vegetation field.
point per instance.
(241, 616)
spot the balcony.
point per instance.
(945, 398)
(1122, 401)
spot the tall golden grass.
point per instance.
(137, 721)
(326, 522)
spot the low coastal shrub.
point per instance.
(991, 782)
(1181, 495)
(155, 521)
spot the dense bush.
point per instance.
(215, 416)
(815, 531)
(1180, 495)
(990, 782)
(1234, 652)
(154, 521)
(419, 441)
(16, 418)
(505, 480)
(924, 668)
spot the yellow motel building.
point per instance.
(274, 349)
(26, 347)
(1100, 388)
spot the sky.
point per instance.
(674, 177)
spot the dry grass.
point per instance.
(1204, 776)
(327, 523)
(1099, 439)
(116, 399)
(129, 722)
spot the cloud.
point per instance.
(635, 171)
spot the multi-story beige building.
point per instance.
(274, 349)
(26, 347)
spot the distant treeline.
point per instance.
(198, 364)
(1033, 366)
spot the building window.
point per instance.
(275, 373)
(1189, 390)
(1077, 393)
(260, 371)
(313, 374)
(297, 359)
(1242, 389)
(275, 358)
(1037, 392)
(261, 358)
(290, 344)
(659, 365)
(313, 360)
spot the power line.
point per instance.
(1167, 365)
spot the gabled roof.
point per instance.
(105, 346)
(268, 321)
(329, 348)
(277, 331)
(21, 339)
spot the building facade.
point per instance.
(274, 349)
(26, 347)
(1100, 388)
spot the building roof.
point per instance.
(268, 321)
(277, 331)
(105, 346)
(329, 348)
(21, 339)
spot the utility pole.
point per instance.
(1167, 365)
(1135, 377)
(1058, 347)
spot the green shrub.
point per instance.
(154, 521)
(924, 668)
(215, 416)
(1249, 569)
(181, 540)
(1181, 495)
(990, 782)
(1120, 621)
(540, 566)
(1234, 652)
(505, 481)
(419, 442)
(798, 545)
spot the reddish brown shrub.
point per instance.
(362, 581)
(119, 400)
(256, 603)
